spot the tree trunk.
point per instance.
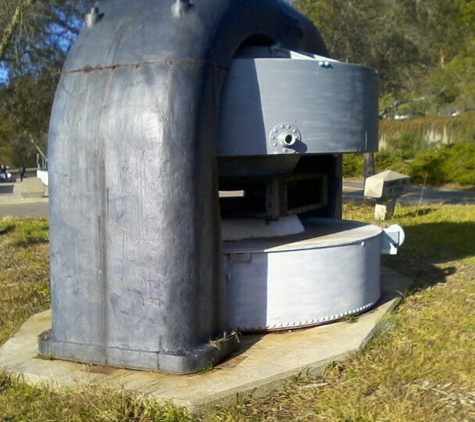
(368, 165)
(9, 31)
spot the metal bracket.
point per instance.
(392, 238)
(283, 138)
(181, 7)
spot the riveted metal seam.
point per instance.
(307, 323)
(89, 69)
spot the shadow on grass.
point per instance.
(431, 245)
(418, 213)
(5, 228)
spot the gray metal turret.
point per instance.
(136, 252)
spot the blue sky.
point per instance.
(3, 75)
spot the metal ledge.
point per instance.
(182, 361)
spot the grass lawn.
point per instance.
(419, 367)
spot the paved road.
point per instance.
(354, 191)
(25, 210)
(13, 204)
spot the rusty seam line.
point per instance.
(88, 69)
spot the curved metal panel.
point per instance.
(128, 33)
(330, 271)
(136, 267)
(320, 108)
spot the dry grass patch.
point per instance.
(21, 402)
(24, 272)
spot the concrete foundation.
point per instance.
(261, 364)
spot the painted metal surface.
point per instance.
(246, 228)
(330, 271)
(297, 104)
(136, 263)
(393, 238)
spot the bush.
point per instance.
(454, 163)
(459, 164)
(451, 164)
(428, 168)
(405, 145)
(387, 160)
(353, 165)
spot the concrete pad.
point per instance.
(31, 188)
(262, 363)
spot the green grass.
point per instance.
(419, 367)
(21, 402)
(24, 272)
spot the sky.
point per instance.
(3, 75)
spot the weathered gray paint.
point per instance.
(330, 271)
(327, 108)
(136, 263)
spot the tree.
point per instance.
(35, 37)
(402, 39)
(423, 50)
(11, 23)
(35, 33)
(25, 110)
(366, 32)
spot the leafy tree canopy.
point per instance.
(422, 49)
(35, 36)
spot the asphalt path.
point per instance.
(25, 210)
(12, 204)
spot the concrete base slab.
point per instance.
(262, 363)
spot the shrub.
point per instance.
(405, 145)
(353, 165)
(454, 163)
(428, 168)
(451, 164)
(386, 159)
(459, 163)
